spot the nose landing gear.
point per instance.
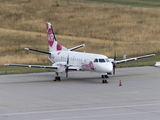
(104, 79)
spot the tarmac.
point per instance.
(82, 96)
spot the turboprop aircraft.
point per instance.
(64, 60)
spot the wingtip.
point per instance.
(26, 48)
(152, 54)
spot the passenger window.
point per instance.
(96, 60)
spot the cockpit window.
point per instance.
(107, 60)
(102, 60)
(96, 60)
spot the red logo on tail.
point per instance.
(50, 37)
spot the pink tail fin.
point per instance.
(52, 42)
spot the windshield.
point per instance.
(102, 60)
(107, 60)
(96, 60)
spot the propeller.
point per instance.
(67, 66)
(114, 65)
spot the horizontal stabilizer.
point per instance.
(34, 66)
(74, 48)
(46, 53)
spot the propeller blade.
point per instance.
(67, 66)
(68, 60)
(115, 56)
(114, 65)
(67, 72)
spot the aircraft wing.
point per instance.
(49, 67)
(132, 59)
(34, 66)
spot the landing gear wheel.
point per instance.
(104, 81)
(104, 76)
(57, 79)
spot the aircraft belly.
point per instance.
(86, 69)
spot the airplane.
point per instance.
(65, 60)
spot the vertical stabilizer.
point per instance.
(52, 42)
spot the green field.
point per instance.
(20, 70)
(135, 3)
(128, 27)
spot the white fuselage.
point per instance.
(83, 61)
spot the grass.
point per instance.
(103, 28)
(19, 70)
(135, 3)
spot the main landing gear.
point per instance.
(104, 79)
(57, 78)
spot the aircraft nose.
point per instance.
(109, 67)
(105, 67)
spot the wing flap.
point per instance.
(34, 66)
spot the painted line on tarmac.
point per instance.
(96, 116)
(134, 76)
(79, 109)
